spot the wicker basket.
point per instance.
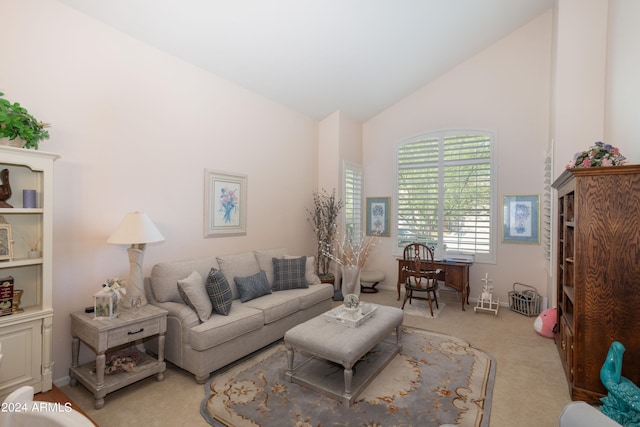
(524, 299)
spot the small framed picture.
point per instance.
(6, 242)
(225, 204)
(378, 216)
(521, 218)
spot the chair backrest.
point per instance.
(419, 264)
(418, 252)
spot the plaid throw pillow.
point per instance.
(289, 273)
(253, 286)
(219, 292)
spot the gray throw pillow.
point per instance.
(289, 273)
(253, 286)
(219, 292)
(192, 291)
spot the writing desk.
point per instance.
(454, 275)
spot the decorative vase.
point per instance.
(350, 280)
(34, 254)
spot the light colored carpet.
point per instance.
(530, 388)
(420, 308)
(436, 379)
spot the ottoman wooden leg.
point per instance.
(348, 376)
(290, 363)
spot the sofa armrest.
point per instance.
(186, 316)
(183, 312)
(581, 414)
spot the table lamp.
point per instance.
(136, 229)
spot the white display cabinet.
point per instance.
(26, 335)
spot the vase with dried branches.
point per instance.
(323, 219)
(351, 254)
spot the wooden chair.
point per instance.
(420, 274)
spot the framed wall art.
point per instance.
(378, 216)
(521, 218)
(225, 204)
(6, 242)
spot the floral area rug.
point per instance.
(436, 379)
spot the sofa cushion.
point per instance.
(252, 287)
(238, 265)
(312, 295)
(218, 292)
(165, 276)
(276, 306)
(264, 258)
(193, 293)
(289, 273)
(220, 329)
(310, 270)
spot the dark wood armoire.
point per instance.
(598, 273)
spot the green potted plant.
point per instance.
(18, 128)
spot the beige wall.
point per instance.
(597, 91)
(340, 140)
(136, 128)
(579, 77)
(622, 119)
(329, 152)
(504, 89)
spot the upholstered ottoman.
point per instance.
(339, 343)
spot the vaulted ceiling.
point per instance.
(320, 56)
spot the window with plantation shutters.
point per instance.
(446, 193)
(352, 201)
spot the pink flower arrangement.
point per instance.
(600, 154)
(228, 202)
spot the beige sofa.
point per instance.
(201, 345)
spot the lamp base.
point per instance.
(134, 287)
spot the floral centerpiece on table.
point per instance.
(600, 154)
(114, 285)
(108, 298)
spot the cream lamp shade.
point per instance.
(136, 229)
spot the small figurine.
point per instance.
(622, 404)
(486, 301)
(5, 188)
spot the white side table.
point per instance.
(103, 334)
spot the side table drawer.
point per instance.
(130, 333)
